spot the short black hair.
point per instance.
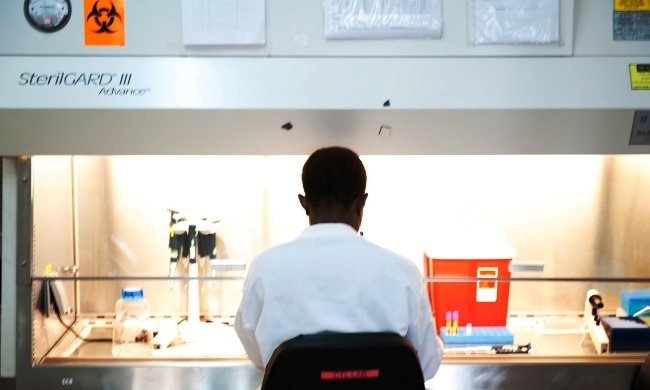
(333, 176)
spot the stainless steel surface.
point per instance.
(549, 375)
(558, 279)
(570, 371)
(49, 246)
(72, 269)
(135, 278)
(553, 338)
(52, 215)
(241, 375)
(47, 332)
(25, 221)
(24, 301)
(524, 266)
(123, 227)
(94, 349)
(557, 209)
(433, 279)
(195, 375)
(212, 341)
(9, 267)
(415, 132)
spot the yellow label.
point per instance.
(631, 5)
(640, 76)
(48, 268)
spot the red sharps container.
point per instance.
(481, 303)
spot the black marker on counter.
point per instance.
(507, 349)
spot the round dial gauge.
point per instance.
(48, 15)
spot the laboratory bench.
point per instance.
(552, 338)
(556, 360)
(105, 233)
(559, 359)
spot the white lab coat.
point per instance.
(330, 279)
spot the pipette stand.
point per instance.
(593, 326)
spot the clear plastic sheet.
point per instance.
(516, 21)
(382, 19)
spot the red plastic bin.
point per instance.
(482, 303)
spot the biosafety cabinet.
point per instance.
(87, 226)
(535, 153)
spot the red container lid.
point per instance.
(469, 248)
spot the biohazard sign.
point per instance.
(104, 22)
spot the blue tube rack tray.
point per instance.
(488, 335)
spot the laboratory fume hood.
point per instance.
(535, 151)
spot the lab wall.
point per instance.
(124, 224)
(295, 28)
(624, 220)
(583, 216)
(543, 206)
(53, 242)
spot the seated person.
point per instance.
(331, 279)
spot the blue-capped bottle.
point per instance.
(131, 333)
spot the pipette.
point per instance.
(175, 244)
(193, 315)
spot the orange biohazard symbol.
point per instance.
(104, 22)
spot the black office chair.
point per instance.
(341, 361)
(643, 379)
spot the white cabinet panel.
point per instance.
(294, 28)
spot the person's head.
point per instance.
(334, 181)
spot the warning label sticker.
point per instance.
(631, 20)
(640, 76)
(104, 22)
(641, 128)
(631, 5)
(486, 290)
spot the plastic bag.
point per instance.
(382, 19)
(516, 21)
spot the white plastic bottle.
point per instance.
(131, 334)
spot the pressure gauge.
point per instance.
(48, 15)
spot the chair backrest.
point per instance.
(643, 379)
(344, 361)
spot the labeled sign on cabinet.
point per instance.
(104, 22)
(641, 129)
(631, 5)
(640, 76)
(632, 20)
